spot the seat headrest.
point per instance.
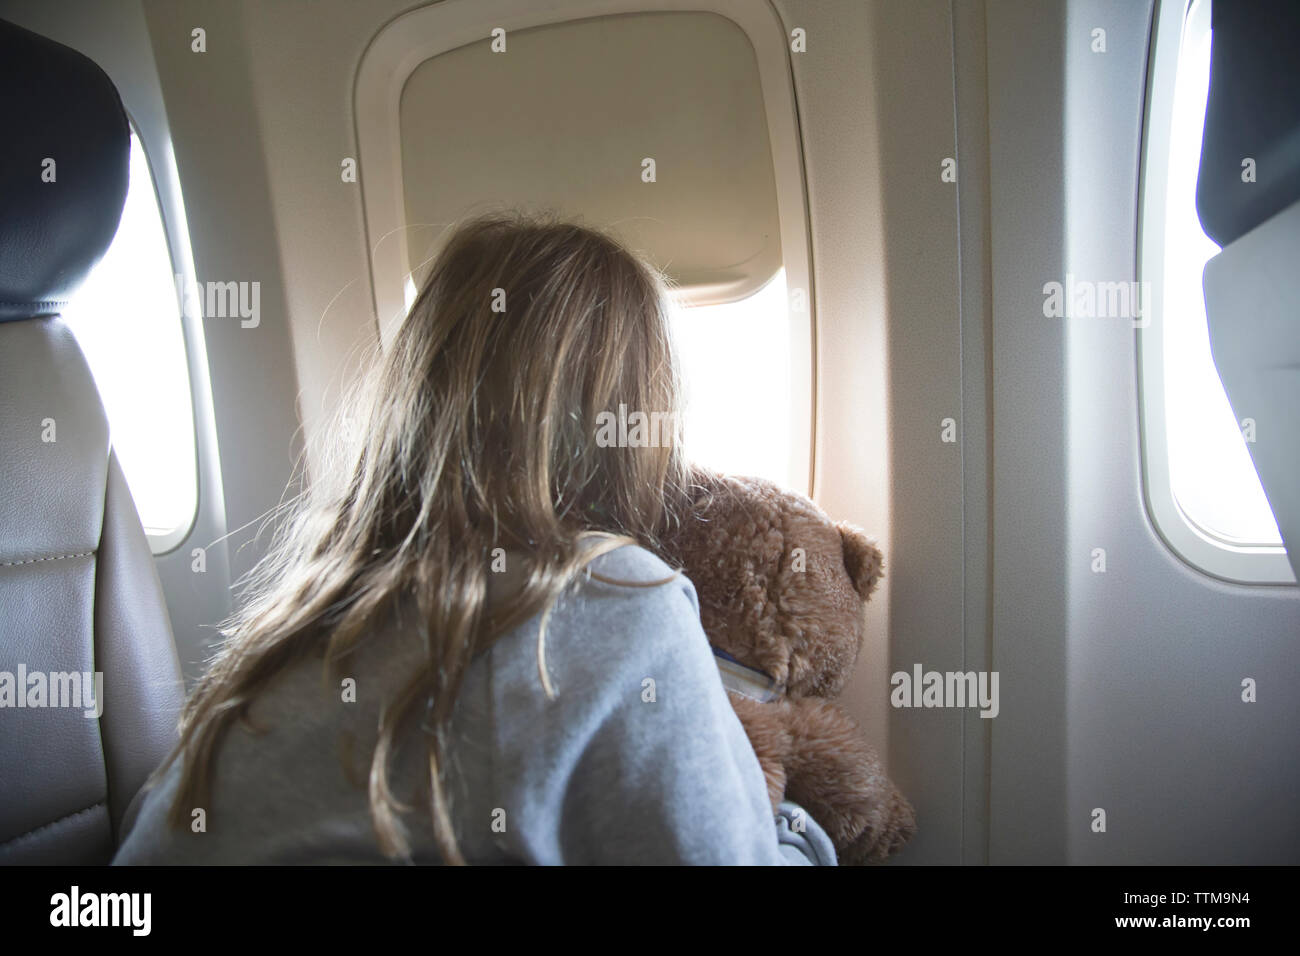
(64, 171)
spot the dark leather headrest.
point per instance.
(55, 105)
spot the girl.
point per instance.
(467, 651)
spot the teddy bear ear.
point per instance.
(862, 559)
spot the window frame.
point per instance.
(420, 34)
(1198, 547)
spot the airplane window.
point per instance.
(1198, 465)
(126, 318)
(736, 376)
(1214, 480)
(637, 153)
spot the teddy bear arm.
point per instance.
(838, 778)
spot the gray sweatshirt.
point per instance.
(638, 759)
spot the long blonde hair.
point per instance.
(478, 434)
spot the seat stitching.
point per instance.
(54, 823)
(57, 557)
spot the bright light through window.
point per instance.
(736, 370)
(1213, 478)
(126, 317)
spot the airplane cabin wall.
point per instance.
(1119, 691)
(1156, 730)
(877, 113)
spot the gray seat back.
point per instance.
(90, 685)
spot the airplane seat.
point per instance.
(79, 594)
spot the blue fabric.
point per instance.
(803, 841)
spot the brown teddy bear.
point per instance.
(781, 590)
